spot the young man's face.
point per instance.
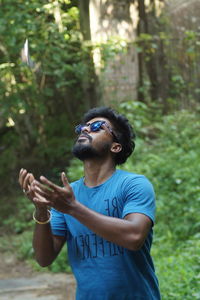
(94, 144)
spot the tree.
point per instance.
(149, 29)
(39, 109)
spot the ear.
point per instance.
(116, 147)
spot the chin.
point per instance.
(84, 151)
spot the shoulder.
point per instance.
(138, 194)
(135, 184)
(133, 179)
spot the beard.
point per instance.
(83, 152)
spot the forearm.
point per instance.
(119, 231)
(43, 240)
(129, 233)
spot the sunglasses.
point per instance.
(95, 126)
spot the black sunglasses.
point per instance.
(94, 126)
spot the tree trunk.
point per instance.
(90, 82)
(156, 63)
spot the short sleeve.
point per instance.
(139, 197)
(58, 223)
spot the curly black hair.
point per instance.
(121, 127)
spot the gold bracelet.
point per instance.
(45, 222)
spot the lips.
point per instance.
(84, 136)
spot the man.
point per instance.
(106, 217)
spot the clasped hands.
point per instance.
(45, 193)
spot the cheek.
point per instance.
(102, 145)
(101, 140)
(101, 137)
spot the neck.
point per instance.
(97, 171)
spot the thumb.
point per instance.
(64, 179)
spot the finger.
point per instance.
(64, 179)
(23, 179)
(26, 183)
(22, 170)
(41, 186)
(22, 174)
(31, 178)
(32, 191)
(50, 184)
(40, 202)
(42, 193)
(41, 199)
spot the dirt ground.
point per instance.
(11, 267)
(20, 282)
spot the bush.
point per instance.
(168, 153)
(172, 162)
(23, 243)
(178, 268)
(18, 214)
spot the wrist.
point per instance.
(77, 210)
(42, 219)
(41, 214)
(74, 206)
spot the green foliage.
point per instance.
(23, 243)
(25, 252)
(170, 157)
(61, 264)
(164, 69)
(172, 160)
(178, 268)
(7, 157)
(39, 108)
(21, 224)
(147, 44)
(167, 152)
(39, 105)
(17, 217)
(110, 50)
(75, 170)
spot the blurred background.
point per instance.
(142, 58)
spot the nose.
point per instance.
(86, 128)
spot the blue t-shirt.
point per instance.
(104, 270)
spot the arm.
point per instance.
(129, 232)
(46, 245)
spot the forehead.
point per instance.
(99, 119)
